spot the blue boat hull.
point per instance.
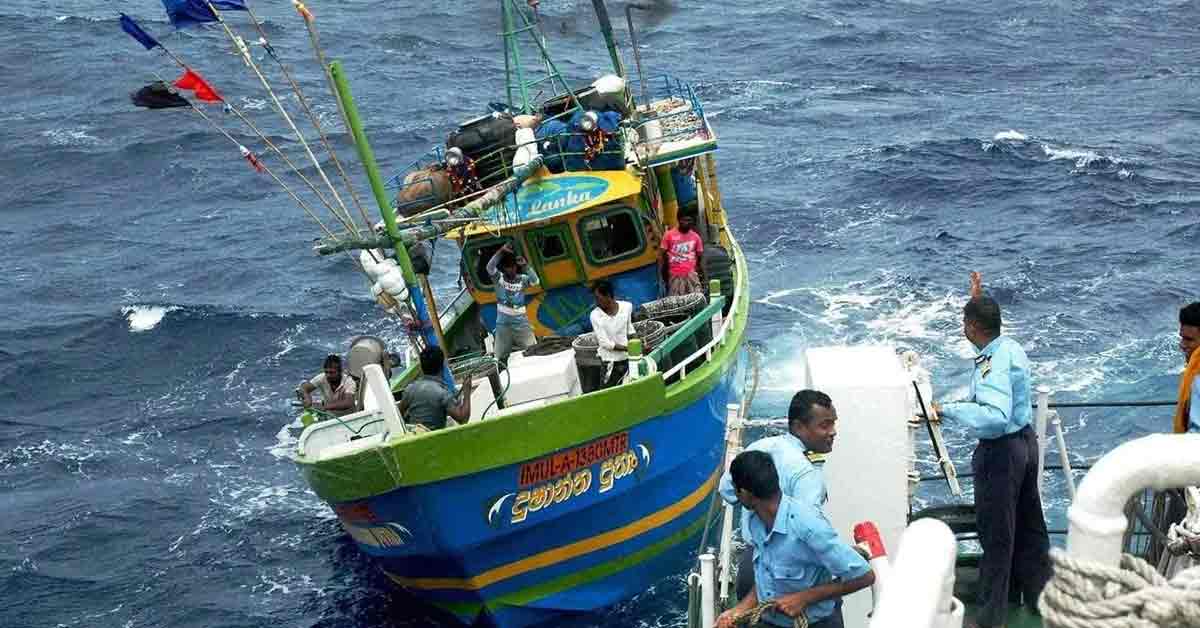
(571, 531)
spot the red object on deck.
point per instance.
(866, 533)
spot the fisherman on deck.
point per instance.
(426, 401)
(512, 276)
(612, 321)
(801, 566)
(337, 389)
(679, 259)
(1187, 414)
(812, 427)
(1008, 508)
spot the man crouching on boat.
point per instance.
(426, 402)
(801, 566)
(337, 389)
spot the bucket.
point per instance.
(587, 358)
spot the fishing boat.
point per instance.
(557, 496)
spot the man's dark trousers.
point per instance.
(1012, 528)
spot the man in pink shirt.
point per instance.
(679, 259)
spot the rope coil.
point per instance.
(754, 616)
(1084, 594)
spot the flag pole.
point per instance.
(311, 116)
(309, 25)
(240, 46)
(419, 307)
(237, 112)
(320, 55)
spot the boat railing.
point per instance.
(918, 590)
(674, 113)
(1150, 512)
(711, 316)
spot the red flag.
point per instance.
(192, 81)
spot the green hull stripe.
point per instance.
(603, 570)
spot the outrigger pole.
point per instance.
(367, 157)
(440, 222)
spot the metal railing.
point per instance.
(720, 326)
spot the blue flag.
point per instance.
(136, 32)
(184, 13)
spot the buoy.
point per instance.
(866, 537)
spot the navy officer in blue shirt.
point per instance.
(1008, 508)
(812, 427)
(801, 566)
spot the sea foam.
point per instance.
(145, 317)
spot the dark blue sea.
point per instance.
(162, 300)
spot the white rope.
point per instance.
(239, 46)
(262, 34)
(1084, 594)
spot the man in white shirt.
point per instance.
(613, 324)
(337, 389)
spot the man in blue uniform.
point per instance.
(800, 563)
(1008, 509)
(812, 426)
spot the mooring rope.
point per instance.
(752, 617)
(1084, 594)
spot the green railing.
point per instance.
(688, 329)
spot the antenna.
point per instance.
(522, 26)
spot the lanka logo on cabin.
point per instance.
(554, 196)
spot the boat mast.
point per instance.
(416, 296)
(517, 22)
(607, 30)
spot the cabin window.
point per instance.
(479, 254)
(551, 246)
(612, 235)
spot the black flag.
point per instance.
(157, 96)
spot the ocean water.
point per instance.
(162, 299)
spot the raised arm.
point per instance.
(494, 263)
(531, 276)
(461, 412)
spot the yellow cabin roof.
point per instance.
(551, 195)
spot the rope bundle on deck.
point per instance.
(1084, 594)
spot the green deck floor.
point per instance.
(965, 579)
